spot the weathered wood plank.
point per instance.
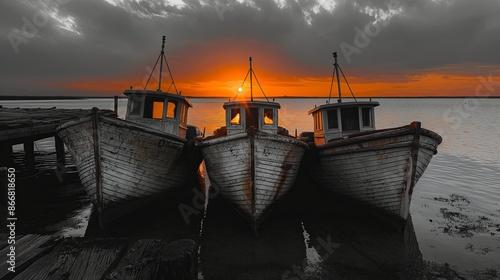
(376, 171)
(276, 160)
(76, 258)
(36, 123)
(135, 162)
(29, 248)
(179, 260)
(154, 259)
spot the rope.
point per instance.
(255, 75)
(244, 80)
(152, 71)
(347, 84)
(331, 85)
(171, 77)
(246, 76)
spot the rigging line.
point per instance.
(255, 75)
(244, 80)
(246, 76)
(170, 73)
(347, 84)
(331, 85)
(152, 71)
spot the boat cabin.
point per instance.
(241, 115)
(338, 120)
(166, 112)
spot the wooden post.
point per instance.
(6, 153)
(116, 105)
(60, 150)
(29, 149)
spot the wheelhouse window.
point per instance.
(268, 116)
(235, 116)
(333, 122)
(366, 114)
(171, 109)
(184, 110)
(350, 119)
(135, 106)
(157, 109)
(153, 108)
(318, 121)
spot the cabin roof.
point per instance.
(251, 104)
(344, 104)
(159, 94)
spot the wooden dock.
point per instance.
(24, 126)
(48, 257)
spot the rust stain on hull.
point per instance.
(285, 167)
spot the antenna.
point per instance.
(336, 65)
(162, 54)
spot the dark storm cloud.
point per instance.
(97, 39)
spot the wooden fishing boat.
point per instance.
(124, 164)
(252, 161)
(379, 168)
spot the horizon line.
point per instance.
(53, 97)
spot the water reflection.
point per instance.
(229, 250)
(307, 236)
(162, 219)
(352, 242)
(360, 245)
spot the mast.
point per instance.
(162, 55)
(251, 74)
(335, 73)
(162, 58)
(336, 70)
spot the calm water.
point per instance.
(455, 207)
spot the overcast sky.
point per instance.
(417, 47)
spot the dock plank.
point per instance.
(77, 258)
(29, 248)
(16, 123)
(179, 260)
(155, 259)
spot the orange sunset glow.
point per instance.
(223, 82)
(217, 70)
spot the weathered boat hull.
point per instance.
(123, 165)
(253, 170)
(379, 168)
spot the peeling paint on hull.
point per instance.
(379, 168)
(274, 159)
(123, 165)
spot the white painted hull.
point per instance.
(253, 171)
(123, 165)
(379, 168)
